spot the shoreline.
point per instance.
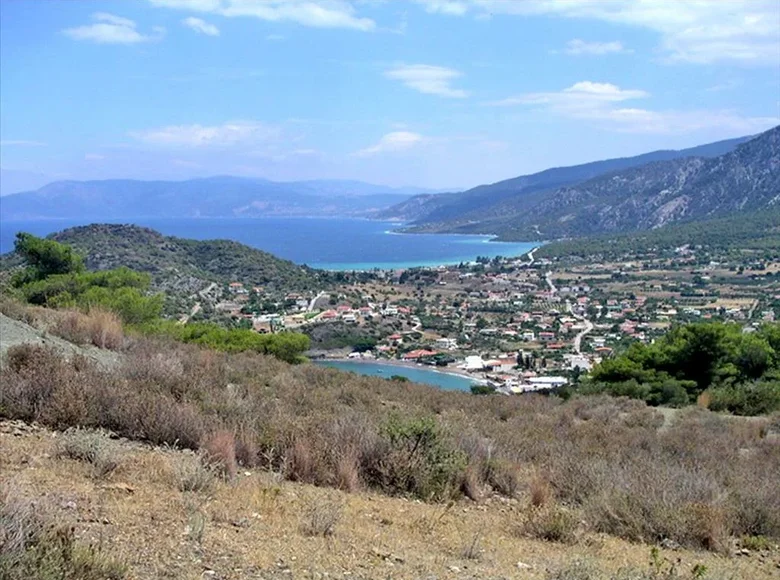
(409, 365)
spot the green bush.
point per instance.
(756, 398)
(419, 460)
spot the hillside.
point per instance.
(173, 260)
(475, 203)
(208, 197)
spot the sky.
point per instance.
(431, 93)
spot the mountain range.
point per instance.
(222, 196)
(614, 195)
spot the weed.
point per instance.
(320, 518)
(93, 447)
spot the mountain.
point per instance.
(474, 204)
(222, 196)
(176, 262)
(684, 189)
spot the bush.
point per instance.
(419, 460)
(99, 327)
(755, 398)
(320, 518)
(94, 447)
(192, 473)
(551, 523)
(219, 451)
(36, 545)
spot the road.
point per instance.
(531, 257)
(588, 327)
(548, 278)
(314, 300)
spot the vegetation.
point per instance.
(750, 231)
(738, 372)
(108, 246)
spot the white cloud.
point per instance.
(393, 142)
(694, 31)
(21, 143)
(200, 26)
(112, 29)
(318, 14)
(600, 103)
(227, 134)
(431, 80)
(578, 47)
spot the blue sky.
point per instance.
(433, 93)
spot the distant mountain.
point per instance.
(222, 196)
(177, 263)
(476, 204)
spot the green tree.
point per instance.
(45, 258)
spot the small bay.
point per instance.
(425, 375)
(328, 243)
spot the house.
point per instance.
(446, 343)
(418, 354)
(546, 336)
(474, 363)
(528, 336)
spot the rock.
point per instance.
(669, 544)
(453, 569)
(524, 566)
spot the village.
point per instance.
(514, 324)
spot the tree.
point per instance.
(45, 258)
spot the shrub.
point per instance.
(192, 473)
(419, 460)
(551, 523)
(755, 398)
(36, 545)
(99, 327)
(219, 451)
(320, 518)
(93, 447)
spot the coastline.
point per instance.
(409, 365)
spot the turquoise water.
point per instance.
(417, 375)
(328, 243)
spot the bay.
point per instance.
(423, 375)
(328, 243)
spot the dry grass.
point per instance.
(702, 482)
(251, 527)
(321, 518)
(93, 447)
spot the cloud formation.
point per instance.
(320, 14)
(200, 26)
(578, 47)
(701, 32)
(428, 79)
(111, 29)
(600, 103)
(227, 134)
(393, 142)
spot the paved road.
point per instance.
(314, 300)
(548, 277)
(588, 327)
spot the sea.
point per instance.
(327, 243)
(443, 380)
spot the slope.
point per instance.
(475, 203)
(107, 246)
(223, 196)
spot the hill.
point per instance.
(172, 261)
(209, 197)
(474, 204)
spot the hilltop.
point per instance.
(107, 246)
(221, 196)
(736, 176)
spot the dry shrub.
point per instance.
(100, 328)
(504, 477)
(299, 461)
(93, 447)
(471, 486)
(348, 471)
(247, 450)
(36, 544)
(552, 523)
(320, 518)
(219, 451)
(192, 473)
(539, 490)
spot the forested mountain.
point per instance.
(479, 202)
(649, 196)
(209, 197)
(169, 259)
